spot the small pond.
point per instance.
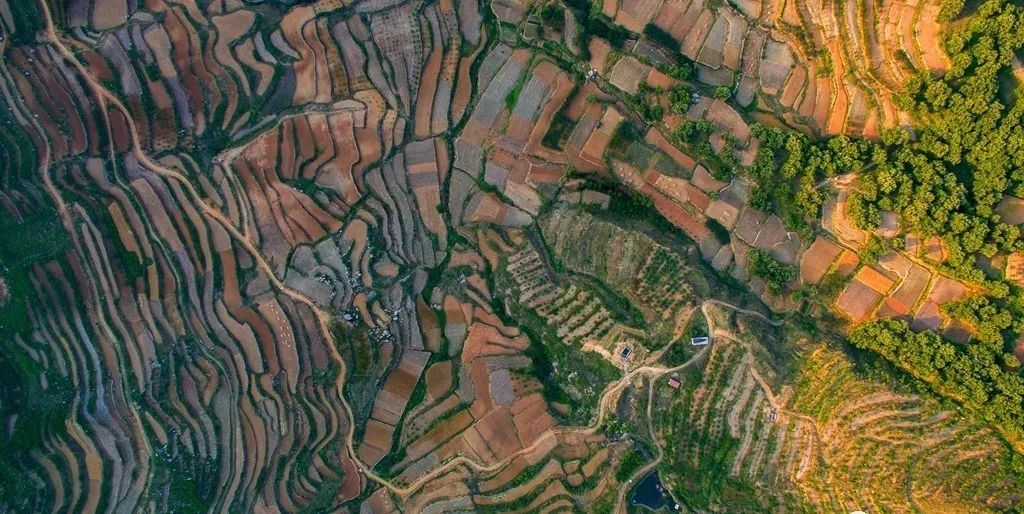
(650, 493)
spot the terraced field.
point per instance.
(833, 67)
(379, 256)
(743, 431)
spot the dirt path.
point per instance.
(627, 485)
(324, 318)
(774, 323)
(657, 372)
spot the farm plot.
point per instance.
(577, 315)
(830, 68)
(198, 267)
(468, 404)
(305, 258)
(185, 315)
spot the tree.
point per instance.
(704, 126)
(873, 250)
(680, 98)
(679, 71)
(659, 36)
(774, 274)
(684, 131)
(988, 318)
(553, 16)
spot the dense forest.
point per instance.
(971, 375)
(966, 151)
(943, 177)
(967, 154)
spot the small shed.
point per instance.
(673, 383)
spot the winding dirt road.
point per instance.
(324, 318)
(627, 485)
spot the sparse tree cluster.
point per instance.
(680, 98)
(789, 166)
(553, 16)
(646, 102)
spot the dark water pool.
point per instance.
(650, 493)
